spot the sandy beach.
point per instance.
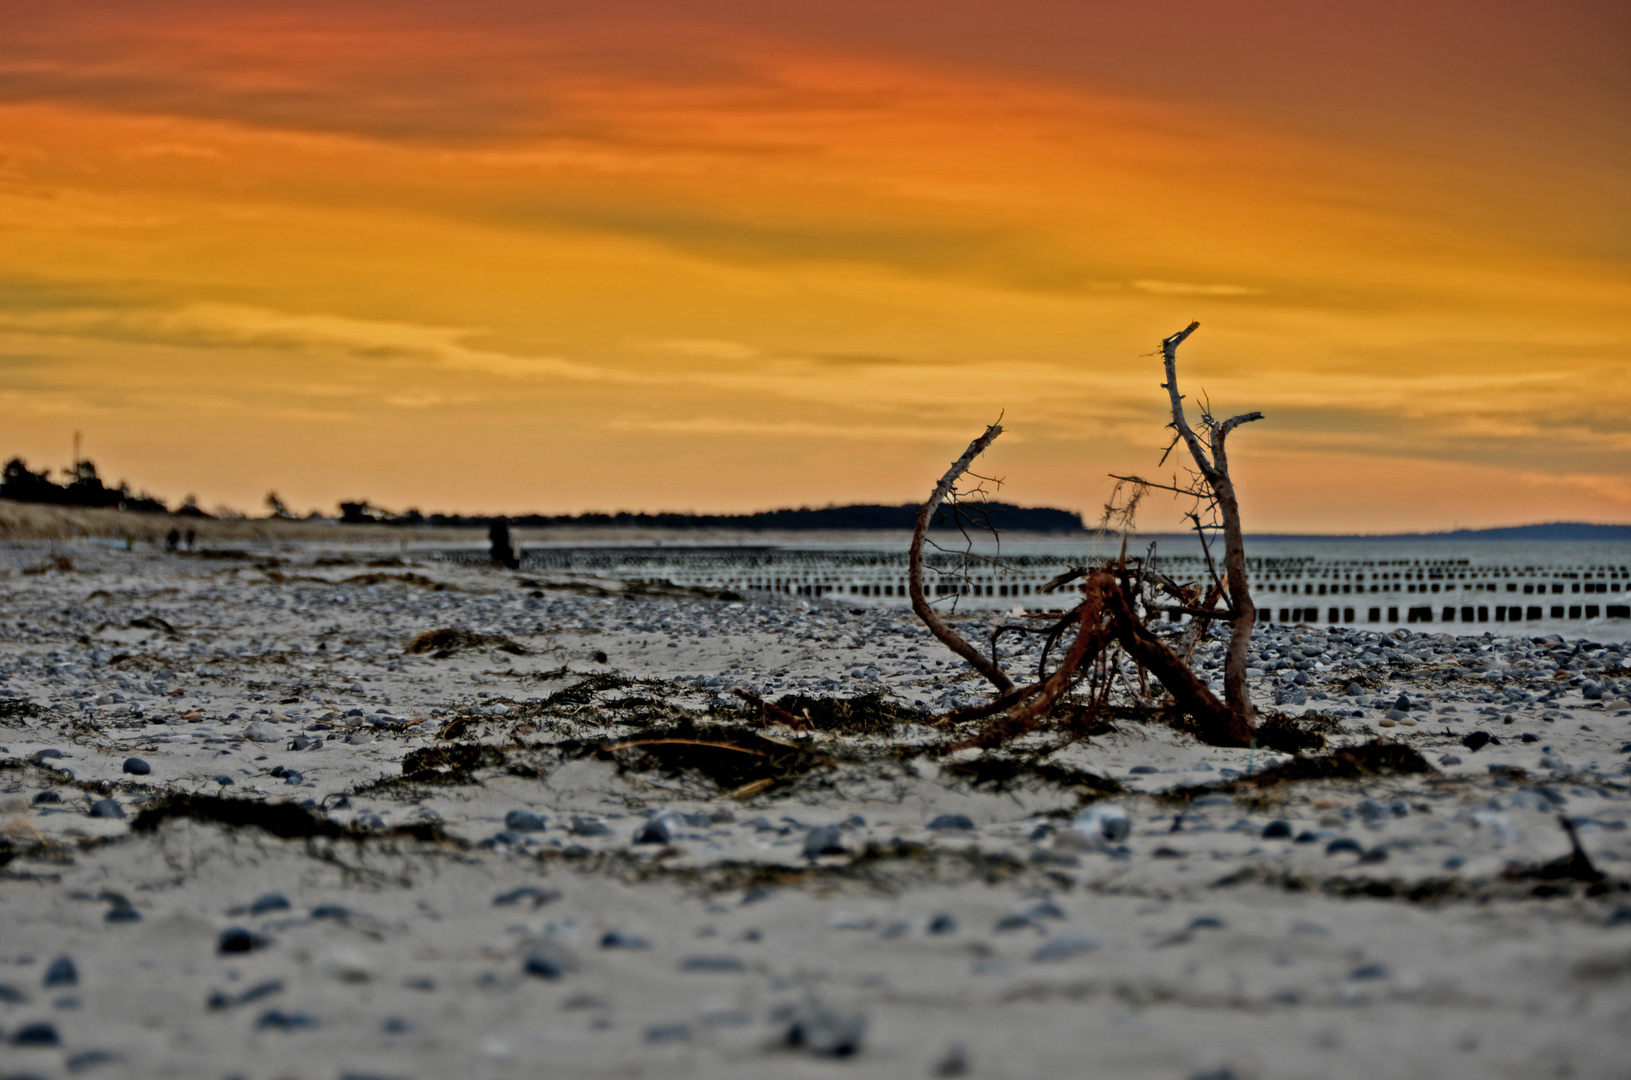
(305, 809)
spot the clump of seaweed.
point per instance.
(871, 713)
(443, 643)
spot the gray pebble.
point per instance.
(61, 972)
(262, 733)
(616, 939)
(278, 1020)
(42, 798)
(589, 826)
(960, 822)
(538, 896)
(107, 808)
(548, 959)
(659, 830)
(39, 1033)
(826, 1032)
(135, 766)
(524, 821)
(824, 840)
(1064, 946)
(86, 1060)
(271, 901)
(237, 939)
(668, 1033)
(122, 912)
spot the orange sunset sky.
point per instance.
(728, 255)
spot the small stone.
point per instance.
(668, 1033)
(86, 1060)
(1277, 830)
(1403, 703)
(1449, 759)
(61, 972)
(43, 798)
(269, 902)
(824, 840)
(548, 959)
(944, 822)
(1344, 843)
(330, 911)
(656, 831)
(943, 924)
(122, 913)
(107, 808)
(47, 754)
(1143, 770)
(1476, 740)
(954, 1063)
(1368, 971)
(538, 896)
(825, 1032)
(1621, 916)
(220, 999)
(135, 766)
(1064, 946)
(1291, 695)
(10, 995)
(38, 1033)
(589, 826)
(278, 1020)
(615, 939)
(712, 965)
(237, 939)
(1106, 823)
(262, 733)
(524, 821)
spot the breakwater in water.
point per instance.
(1500, 587)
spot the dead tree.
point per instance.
(1216, 507)
(1118, 598)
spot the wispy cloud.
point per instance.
(214, 326)
(1187, 288)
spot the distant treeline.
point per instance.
(83, 487)
(1003, 516)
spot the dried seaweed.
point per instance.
(443, 643)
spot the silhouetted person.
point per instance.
(502, 554)
(191, 536)
(172, 540)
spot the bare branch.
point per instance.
(1180, 424)
(920, 604)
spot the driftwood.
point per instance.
(920, 603)
(1118, 598)
(1214, 472)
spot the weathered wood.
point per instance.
(920, 603)
(1214, 469)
